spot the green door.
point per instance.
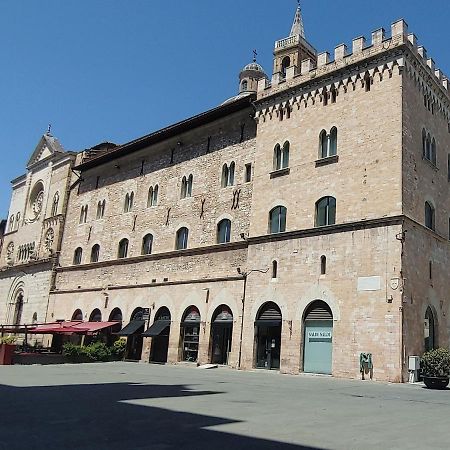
(318, 348)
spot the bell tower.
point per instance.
(291, 51)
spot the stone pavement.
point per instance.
(130, 406)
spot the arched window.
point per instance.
(55, 204)
(323, 138)
(228, 174)
(116, 315)
(325, 211)
(95, 253)
(123, 249)
(428, 148)
(183, 187)
(84, 214)
(281, 156)
(274, 269)
(77, 315)
(152, 199)
(18, 309)
(77, 256)
(424, 143)
(328, 143)
(35, 318)
(285, 63)
(333, 141)
(277, 220)
(277, 157)
(189, 186)
(323, 265)
(96, 316)
(231, 174)
(224, 231)
(11, 223)
(128, 205)
(429, 216)
(17, 220)
(182, 238)
(147, 244)
(244, 86)
(101, 206)
(225, 172)
(433, 151)
(430, 330)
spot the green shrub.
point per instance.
(119, 347)
(98, 351)
(73, 351)
(7, 340)
(436, 363)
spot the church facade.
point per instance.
(296, 226)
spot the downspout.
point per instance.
(245, 275)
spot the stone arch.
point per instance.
(223, 297)
(318, 293)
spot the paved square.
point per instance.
(141, 406)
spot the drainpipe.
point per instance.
(245, 275)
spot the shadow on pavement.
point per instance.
(93, 416)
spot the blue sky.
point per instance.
(118, 69)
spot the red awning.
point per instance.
(56, 328)
(94, 327)
(72, 327)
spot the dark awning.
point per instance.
(132, 328)
(268, 323)
(157, 328)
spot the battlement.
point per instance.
(361, 50)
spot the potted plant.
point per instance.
(7, 347)
(436, 368)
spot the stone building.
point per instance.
(294, 227)
(32, 238)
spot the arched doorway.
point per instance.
(221, 334)
(430, 330)
(268, 336)
(133, 332)
(190, 332)
(115, 316)
(77, 316)
(96, 316)
(160, 332)
(318, 338)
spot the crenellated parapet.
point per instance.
(326, 78)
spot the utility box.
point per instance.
(413, 368)
(414, 363)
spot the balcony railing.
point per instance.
(291, 40)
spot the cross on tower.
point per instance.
(255, 54)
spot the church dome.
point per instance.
(254, 66)
(249, 77)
